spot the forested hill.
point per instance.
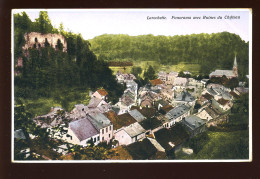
(47, 72)
(211, 51)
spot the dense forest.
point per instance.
(49, 72)
(211, 51)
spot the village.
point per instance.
(157, 117)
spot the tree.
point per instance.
(150, 73)
(44, 23)
(136, 71)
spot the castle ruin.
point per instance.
(37, 40)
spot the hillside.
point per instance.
(210, 51)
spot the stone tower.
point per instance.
(235, 71)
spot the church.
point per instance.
(228, 73)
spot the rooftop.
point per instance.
(136, 115)
(99, 120)
(134, 129)
(83, 128)
(119, 121)
(177, 112)
(151, 123)
(222, 101)
(227, 73)
(146, 112)
(194, 122)
(102, 92)
(156, 82)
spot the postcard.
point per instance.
(131, 85)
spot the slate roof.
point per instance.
(99, 120)
(83, 128)
(177, 112)
(194, 122)
(94, 102)
(162, 102)
(184, 96)
(227, 73)
(134, 129)
(211, 91)
(136, 115)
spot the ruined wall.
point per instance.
(33, 39)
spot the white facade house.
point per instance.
(130, 134)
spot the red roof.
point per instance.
(156, 82)
(102, 92)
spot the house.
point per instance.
(97, 105)
(160, 103)
(137, 115)
(166, 109)
(205, 98)
(171, 77)
(156, 82)
(180, 82)
(78, 112)
(130, 134)
(167, 94)
(132, 86)
(228, 73)
(82, 131)
(195, 125)
(241, 90)
(151, 125)
(103, 125)
(178, 113)
(207, 114)
(147, 99)
(127, 100)
(164, 121)
(100, 94)
(224, 104)
(184, 98)
(54, 118)
(119, 121)
(162, 76)
(123, 78)
(146, 112)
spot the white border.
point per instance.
(138, 161)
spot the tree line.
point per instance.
(211, 51)
(46, 70)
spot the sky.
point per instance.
(91, 23)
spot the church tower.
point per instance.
(235, 71)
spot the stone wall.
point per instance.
(35, 39)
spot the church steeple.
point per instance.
(235, 67)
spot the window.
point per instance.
(36, 40)
(95, 139)
(102, 131)
(107, 129)
(110, 128)
(98, 138)
(102, 138)
(109, 135)
(82, 109)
